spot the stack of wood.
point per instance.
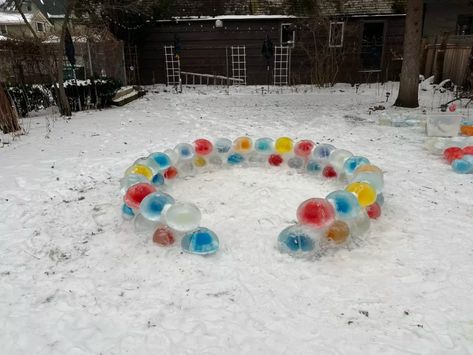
(8, 115)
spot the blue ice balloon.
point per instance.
(322, 151)
(354, 162)
(153, 205)
(127, 212)
(161, 159)
(264, 145)
(462, 166)
(299, 240)
(158, 179)
(223, 145)
(200, 241)
(185, 151)
(235, 159)
(313, 166)
(380, 199)
(345, 204)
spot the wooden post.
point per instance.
(8, 115)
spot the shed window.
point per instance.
(336, 34)
(288, 35)
(39, 26)
(3, 29)
(465, 25)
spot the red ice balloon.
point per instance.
(316, 212)
(452, 153)
(329, 172)
(452, 107)
(374, 211)
(203, 146)
(170, 173)
(304, 148)
(275, 160)
(163, 236)
(136, 193)
(468, 150)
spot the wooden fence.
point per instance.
(456, 65)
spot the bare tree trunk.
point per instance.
(8, 115)
(63, 102)
(409, 86)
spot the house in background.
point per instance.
(13, 25)
(448, 38)
(363, 37)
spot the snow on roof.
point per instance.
(12, 18)
(3, 38)
(228, 17)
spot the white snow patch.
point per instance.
(76, 279)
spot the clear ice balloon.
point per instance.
(201, 241)
(223, 145)
(129, 180)
(183, 217)
(337, 159)
(295, 162)
(322, 151)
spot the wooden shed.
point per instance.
(356, 42)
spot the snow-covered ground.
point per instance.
(76, 279)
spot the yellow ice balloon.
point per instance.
(140, 169)
(242, 145)
(200, 162)
(365, 193)
(284, 145)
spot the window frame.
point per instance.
(43, 25)
(342, 38)
(461, 19)
(289, 43)
(3, 29)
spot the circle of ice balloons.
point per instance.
(461, 159)
(322, 223)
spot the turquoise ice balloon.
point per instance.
(345, 204)
(352, 163)
(313, 167)
(264, 145)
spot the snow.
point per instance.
(12, 18)
(76, 279)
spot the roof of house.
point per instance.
(49, 8)
(363, 7)
(203, 8)
(13, 18)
